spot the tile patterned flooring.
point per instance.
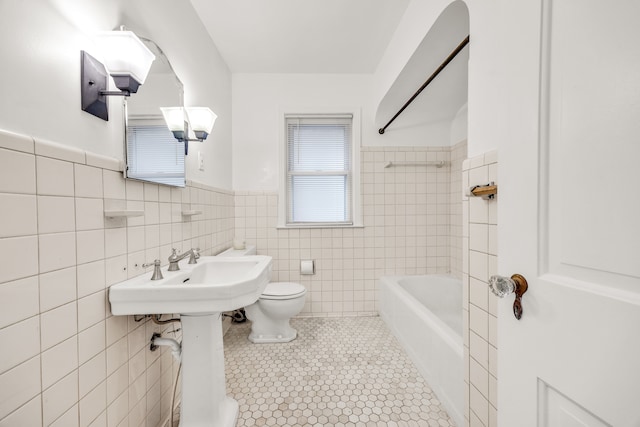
(339, 372)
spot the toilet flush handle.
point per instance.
(503, 286)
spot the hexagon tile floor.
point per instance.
(338, 372)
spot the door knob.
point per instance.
(502, 286)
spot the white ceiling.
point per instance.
(301, 36)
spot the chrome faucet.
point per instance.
(174, 258)
(157, 273)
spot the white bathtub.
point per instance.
(425, 315)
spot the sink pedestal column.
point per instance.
(204, 398)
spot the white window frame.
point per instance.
(283, 196)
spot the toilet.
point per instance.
(279, 302)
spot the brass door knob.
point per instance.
(502, 286)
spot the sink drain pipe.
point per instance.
(176, 348)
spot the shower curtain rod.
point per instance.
(429, 80)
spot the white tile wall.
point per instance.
(72, 363)
(407, 228)
(480, 260)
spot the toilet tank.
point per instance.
(249, 250)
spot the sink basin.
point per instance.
(199, 292)
(212, 285)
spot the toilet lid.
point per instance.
(283, 290)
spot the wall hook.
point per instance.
(487, 191)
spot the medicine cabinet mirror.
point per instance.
(152, 152)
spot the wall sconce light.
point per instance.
(128, 61)
(181, 121)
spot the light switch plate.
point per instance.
(200, 161)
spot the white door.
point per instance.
(569, 214)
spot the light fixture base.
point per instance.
(93, 82)
(126, 83)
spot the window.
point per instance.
(153, 154)
(320, 176)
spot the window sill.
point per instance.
(303, 226)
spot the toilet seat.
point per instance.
(283, 291)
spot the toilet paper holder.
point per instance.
(307, 267)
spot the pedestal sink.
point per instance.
(199, 293)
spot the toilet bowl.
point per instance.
(271, 313)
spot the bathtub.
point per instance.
(425, 315)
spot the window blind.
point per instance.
(153, 154)
(319, 170)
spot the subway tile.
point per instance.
(59, 324)
(479, 237)
(56, 214)
(479, 378)
(135, 239)
(58, 361)
(91, 277)
(113, 185)
(479, 405)
(118, 410)
(19, 386)
(88, 181)
(91, 310)
(116, 269)
(55, 177)
(479, 349)
(478, 265)
(19, 300)
(59, 398)
(17, 172)
(479, 322)
(19, 216)
(57, 251)
(90, 246)
(92, 373)
(89, 214)
(479, 293)
(115, 242)
(117, 383)
(116, 328)
(135, 190)
(100, 421)
(68, 419)
(30, 414)
(151, 192)
(23, 339)
(93, 404)
(19, 256)
(91, 341)
(57, 288)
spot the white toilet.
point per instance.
(270, 315)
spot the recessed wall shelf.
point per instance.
(191, 212)
(124, 213)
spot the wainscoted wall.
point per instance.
(407, 228)
(65, 360)
(479, 305)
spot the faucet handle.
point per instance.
(195, 255)
(157, 273)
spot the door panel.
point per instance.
(573, 359)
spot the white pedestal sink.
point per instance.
(199, 293)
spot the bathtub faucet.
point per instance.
(174, 258)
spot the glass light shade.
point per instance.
(124, 54)
(201, 119)
(175, 118)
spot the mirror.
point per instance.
(152, 152)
